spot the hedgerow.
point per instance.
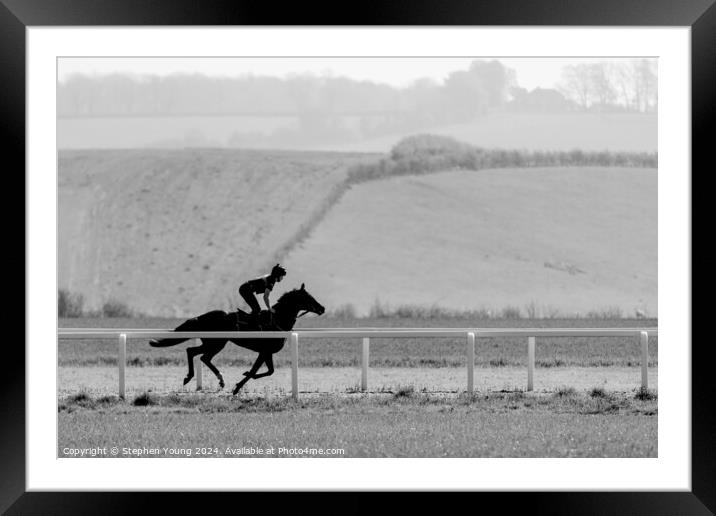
(426, 153)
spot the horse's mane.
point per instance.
(287, 296)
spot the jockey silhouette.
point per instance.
(261, 285)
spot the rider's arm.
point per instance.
(266, 299)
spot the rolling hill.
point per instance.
(566, 240)
(173, 232)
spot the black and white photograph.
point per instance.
(434, 257)
(357, 257)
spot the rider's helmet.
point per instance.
(278, 271)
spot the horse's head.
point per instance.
(305, 301)
(298, 300)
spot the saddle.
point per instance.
(249, 322)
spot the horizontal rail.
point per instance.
(88, 333)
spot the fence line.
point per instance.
(642, 334)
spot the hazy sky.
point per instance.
(531, 72)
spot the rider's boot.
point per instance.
(256, 319)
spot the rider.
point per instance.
(261, 285)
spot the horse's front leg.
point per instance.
(249, 374)
(268, 360)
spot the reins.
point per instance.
(297, 317)
(273, 321)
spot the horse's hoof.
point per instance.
(247, 374)
(221, 384)
(236, 390)
(187, 380)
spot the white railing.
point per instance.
(642, 334)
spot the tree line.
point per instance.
(462, 96)
(612, 86)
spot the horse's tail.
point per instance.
(165, 343)
(214, 320)
(190, 325)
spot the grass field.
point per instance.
(400, 424)
(586, 401)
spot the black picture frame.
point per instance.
(699, 15)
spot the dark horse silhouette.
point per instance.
(286, 311)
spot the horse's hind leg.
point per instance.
(190, 354)
(206, 358)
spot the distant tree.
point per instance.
(621, 80)
(601, 87)
(518, 95)
(543, 100)
(303, 90)
(577, 85)
(336, 94)
(495, 79)
(118, 93)
(644, 75)
(69, 304)
(465, 95)
(424, 101)
(626, 85)
(82, 94)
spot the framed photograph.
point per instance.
(466, 227)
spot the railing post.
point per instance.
(294, 365)
(644, 337)
(199, 371)
(122, 362)
(530, 363)
(470, 362)
(365, 357)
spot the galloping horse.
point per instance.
(286, 311)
